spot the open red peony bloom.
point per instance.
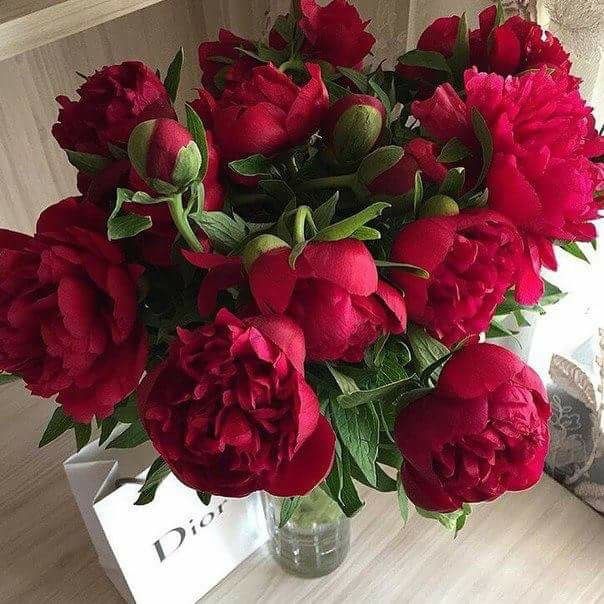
(540, 177)
(483, 431)
(230, 412)
(265, 113)
(335, 33)
(68, 312)
(510, 48)
(112, 102)
(472, 259)
(222, 64)
(514, 46)
(333, 293)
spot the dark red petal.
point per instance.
(309, 465)
(272, 280)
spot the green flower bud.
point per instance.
(439, 205)
(260, 245)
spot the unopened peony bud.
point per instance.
(165, 155)
(388, 171)
(353, 126)
(259, 246)
(439, 205)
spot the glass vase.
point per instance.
(316, 538)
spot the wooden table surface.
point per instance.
(543, 545)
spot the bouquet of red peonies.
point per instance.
(292, 287)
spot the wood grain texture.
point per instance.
(543, 545)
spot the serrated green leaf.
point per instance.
(289, 506)
(425, 58)
(359, 429)
(172, 81)
(57, 425)
(133, 436)
(87, 162)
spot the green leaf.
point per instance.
(127, 412)
(107, 427)
(418, 191)
(425, 58)
(410, 396)
(427, 373)
(366, 233)
(426, 350)
(453, 151)
(133, 436)
(407, 268)
(204, 497)
(7, 378)
(359, 79)
(381, 94)
(359, 430)
(520, 319)
(403, 500)
(483, 134)
(345, 228)
(278, 189)
(224, 232)
(82, 435)
(127, 225)
(172, 80)
(117, 152)
(336, 92)
(552, 294)
(499, 15)
(572, 248)
(254, 165)
(383, 483)
(87, 162)
(324, 214)
(452, 521)
(289, 505)
(497, 330)
(453, 183)
(198, 132)
(387, 392)
(374, 355)
(345, 383)
(58, 424)
(158, 471)
(340, 486)
(460, 58)
(390, 456)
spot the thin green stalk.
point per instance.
(182, 223)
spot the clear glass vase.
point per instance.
(314, 541)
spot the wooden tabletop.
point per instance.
(543, 545)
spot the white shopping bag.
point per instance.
(174, 549)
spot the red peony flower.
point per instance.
(539, 176)
(222, 64)
(112, 102)
(265, 113)
(472, 259)
(335, 33)
(68, 312)
(333, 293)
(514, 46)
(483, 431)
(230, 412)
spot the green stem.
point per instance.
(182, 223)
(329, 182)
(303, 214)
